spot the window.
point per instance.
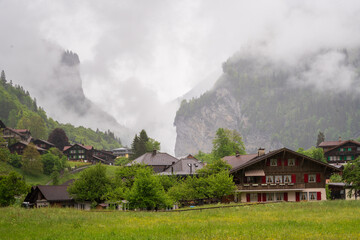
(312, 196)
(291, 162)
(341, 149)
(287, 179)
(358, 148)
(312, 178)
(348, 158)
(269, 179)
(303, 196)
(279, 196)
(278, 179)
(273, 162)
(253, 197)
(349, 149)
(270, 197)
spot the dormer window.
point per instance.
(291, 162)
(273, 162)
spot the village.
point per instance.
(273, 176)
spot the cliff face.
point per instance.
(274, 104)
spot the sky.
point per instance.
(137, 57)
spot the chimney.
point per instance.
(340, 139)
(154, 152)
(237, 154)
(261, 151)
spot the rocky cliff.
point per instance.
(274, 104)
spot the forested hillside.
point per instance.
(272, 105)
(19, 110)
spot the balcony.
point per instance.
(267, 186)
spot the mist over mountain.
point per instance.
(274, 103)
(63, 98)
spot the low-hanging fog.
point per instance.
(139, 57)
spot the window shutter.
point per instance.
(279, 162)
(285, 162)
(259, 197)
(352, 157)
(318, 196)
(263, 179)
(248, 197)
(264, 197)
(328, 158)
(297, 196)
(318, 179)
(267, 162)
(286, 197)
(293, 178)
(306, 178)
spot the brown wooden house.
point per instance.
(157, 160)
(43, 144)
(104, 157)
(280, 175)
(342, 152)
(20, 146)
(78, 152)
(47, 195)
(16, 134)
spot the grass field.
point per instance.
(308, 220)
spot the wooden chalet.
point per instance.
(280, 175)
(157, 160)
(78, 152)
(20, 146)
(43, 144)
(47, 195)
(103, 156)
(16, 134)
(340, 151)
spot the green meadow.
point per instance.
(306, 220)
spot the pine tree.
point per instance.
(320, 138)
(3, 77)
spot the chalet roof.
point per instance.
(43, 141)
(55, 193)
(26, 144)
(22, 131)
(330, 143)
(154, 159)
(236, 161)
(16, 131)
(76, 144)
(257, 159)
(99, 159)
(342, 144)
(181, 167)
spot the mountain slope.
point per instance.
(274, 104)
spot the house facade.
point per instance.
(43, 144)
(20, 146)
(342, 152)
(16, 134)
(122, 152)
(103, 156)
(47, 195)
(78, 152)
(280, 175)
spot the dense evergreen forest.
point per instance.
(291, 114)
(19, 110)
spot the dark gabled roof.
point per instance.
(43, 141)
(342, 144)
(154, 159)
(55, 193)
(26, 144)
(273, 153)
(76, 144)
(181, 167)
